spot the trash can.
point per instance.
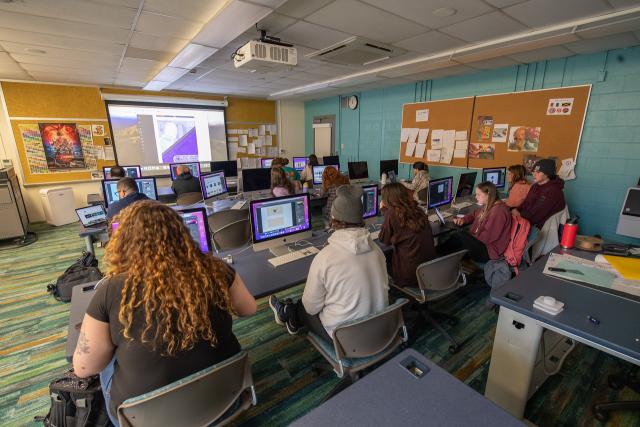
(59, 205)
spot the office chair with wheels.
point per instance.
(215, 395)
(230, 229)
(437, 279)
(423, 196)
(186, 199)
(601, 410)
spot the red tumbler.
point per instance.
(569, 233)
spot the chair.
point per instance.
(423, 196)
(230, 229)
(186, 199)
(215, 394)
(360, 343)
(601, 410)
(437, 279)
(547, 237)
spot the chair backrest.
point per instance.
(423, 196)
(548, 237)
(230, 228)
(370, 335)
(442, 273)
(197, 400)
(186, 199)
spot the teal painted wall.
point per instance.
(609, 154)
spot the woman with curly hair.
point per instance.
(163, 310)
(406, 228)
(331, 180)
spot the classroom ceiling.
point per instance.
(128, 42)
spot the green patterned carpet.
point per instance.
(33, 333)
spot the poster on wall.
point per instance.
(88, 149)
(97, 130)
(485, 123)
(560, 106)
(62, 146)
(34, 151)
(523, 138)
(499, 133)
(482, 151)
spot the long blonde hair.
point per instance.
(171, 286)
(493, 197)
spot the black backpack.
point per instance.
(84, 270)
(76, 402)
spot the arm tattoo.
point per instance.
(83, 344)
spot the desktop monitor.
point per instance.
(213, 184)
(319, 170)
(440, 192)
(229, 167)
(130, 171)
(465, 184)
(358, 170)
(145, 185)
(93, 215)
(387, 166)
(266, 162)
(331, 160)
(194, 167)
(280, 220)
(299, 163)
(256, 179)
(495, 175)
(195, 219)
(370, 201)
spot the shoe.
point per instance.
(278, 309)
(291, 328)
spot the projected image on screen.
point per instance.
(154, 135)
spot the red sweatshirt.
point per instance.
(494, 230)
(543, 201)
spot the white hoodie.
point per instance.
(347, 279)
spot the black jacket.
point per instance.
(186, 183)
(116, 207)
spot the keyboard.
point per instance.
(293, 256)
(461, 205)
(239, 204)
(433, 218)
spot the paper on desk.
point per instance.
(566, 171)
(436, 138)
(233, 150)
(433, 156)
(459, 154)
(411, 146)
(243, 140)
(420, 150)
(461, 134)
(413, 134)
(422, 136)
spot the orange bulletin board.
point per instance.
(559, 134)
(450, 114)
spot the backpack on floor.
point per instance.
(76, 402)
(84, 270)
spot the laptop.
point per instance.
(93, 216)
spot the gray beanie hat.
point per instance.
(546, 166)
(347, 206)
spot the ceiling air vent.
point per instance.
(356, 51)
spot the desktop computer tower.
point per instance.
(12, 210)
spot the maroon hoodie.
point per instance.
(543, 201)
(494, 231)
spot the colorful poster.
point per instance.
(528, 160)
(34, 150)
(481, 151)
(560, 106)
(62, 146)
(499, 133)
(485, 123)
(88, 149)
(97, 130)
(523, 138)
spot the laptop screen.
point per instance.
(91, 215)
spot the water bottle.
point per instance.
(569, 232)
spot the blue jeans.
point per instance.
(105, 382)
(533, 233)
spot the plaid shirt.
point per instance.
(420, 181)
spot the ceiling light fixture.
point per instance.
(443, 12)
(192, 55)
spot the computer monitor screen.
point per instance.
(193, 167)
(145, 185)
(358, 170)
(213, 184)
(130, 171)
(266, 163)
(256, 179)
(632, 203)
(229, 167)
(92, 215)
(370, 201)
(440, 192)
(278, 217)
(195, 220)
(495, 175)
(388, 165)
(331, 160)
(299, 163)
(466, 183)
(319, 170)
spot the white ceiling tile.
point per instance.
(421, 11)
(14, 75)
(623, 4)
(484, 27)
(236, 18)
(541, 13)
(41, 39)
(274, 23)
(68, 55)
(8, 64)
(136, 64)
(166, 44)
(77, 77)
(360, 19)
(269, 3)
(605, 43)
(70, 69)
(542, 54)
(194, 10)
(55, 61)
(126, 3)
(631, 24)
(311, 35)
(302, 8)
(431, 42)
(443, 72)
(504, 3)
(167, 26)
(129, 83)
(491, 64)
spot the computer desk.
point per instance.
(520, 327)
(392, 396)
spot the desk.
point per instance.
(520, 327)
(391, 396)
(92, 235)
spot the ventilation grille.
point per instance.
(357, 51)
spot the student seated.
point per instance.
(117, 172)
(518, 186)
(185, 182)
(128, 192)
(280, 184)
(306, 177)
(347, 279)
(546, 196)
(162, 312)
(420, 179)
(490, 230)
(331, 180)
(292, 174)
(406, 228)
